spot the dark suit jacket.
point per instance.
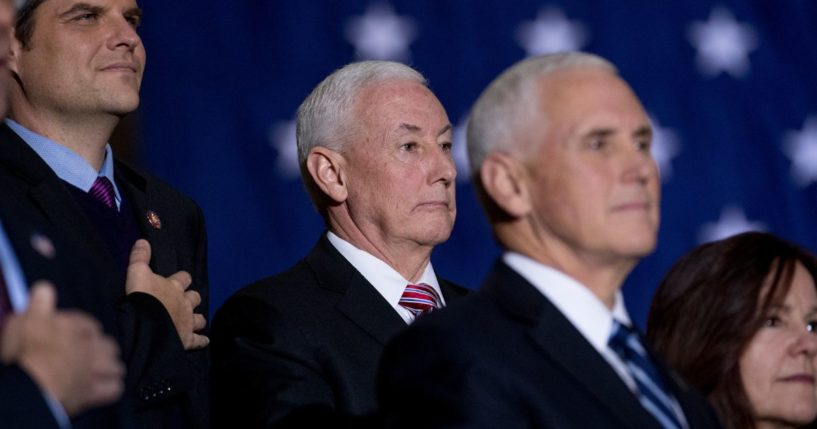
(163, 380)
(303, 345)
(506, 357)
(22, 404)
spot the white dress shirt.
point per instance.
(385, 279)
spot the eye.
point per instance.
(87, 17)
(811, 326)
(771, 322)
(409, 147)
(597, 143)
(446, 146)
(134, 20)
(643, 145)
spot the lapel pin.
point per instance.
(153, 219)
(43, 245)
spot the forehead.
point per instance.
(390, 103)
(571, 96)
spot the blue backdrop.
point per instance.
(730, 87)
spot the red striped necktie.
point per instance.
(420, 299)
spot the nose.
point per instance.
(639, 166)
(123, 34)
(442, 167)
(806, 343)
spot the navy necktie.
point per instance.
(652, 391)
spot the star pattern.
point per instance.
(665, 147)
(732, 221)
(460, 151)
(801, 148)
(380, 34)
(550, 32)
(723, 44)
(282, 139)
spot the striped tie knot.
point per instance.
(102, 191)
(419, 299)
(652, 391)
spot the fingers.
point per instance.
(43, 299)
(193, 298)
(182, 278)
(199, 322)
(197, 342)
(140, 252)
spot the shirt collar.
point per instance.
(576, 302)
(67, 164)
(388, 282)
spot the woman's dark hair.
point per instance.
(710, 305)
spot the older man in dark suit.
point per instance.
(302, 347)
(77, 68)
(560, 151)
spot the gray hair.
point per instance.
(327, 116)
(511, 102)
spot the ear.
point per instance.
(326, 168)
(14, 53)
(505, 182)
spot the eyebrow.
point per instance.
(416, 129)
(644, 131)
(82, 7)
(135, 11)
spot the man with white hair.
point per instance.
(560, 153)
(374, 147)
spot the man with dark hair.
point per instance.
(77, 68)
(300, 349)
(559, 147)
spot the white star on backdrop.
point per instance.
(723, 44)
(460, 152)
(550, 32)
(282, 139)
(380, 34)
(801, 148)
(665, 147)
(732, 221)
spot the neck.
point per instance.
(407, 258)
(87, 136)
(602, 275)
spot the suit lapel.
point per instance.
(561, 343)
(359, 300)
(49, 196)
(136, 190)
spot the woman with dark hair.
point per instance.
(737, 319)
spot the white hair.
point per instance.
(512, 102)
(327, 116)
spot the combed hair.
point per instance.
(327, 116)
(511, 103)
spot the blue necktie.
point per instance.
(652, 392)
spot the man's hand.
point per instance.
(171, 292)
(64, 352)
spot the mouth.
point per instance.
(632, 206)
(799, 378)
(431, 205)
(120, 67)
